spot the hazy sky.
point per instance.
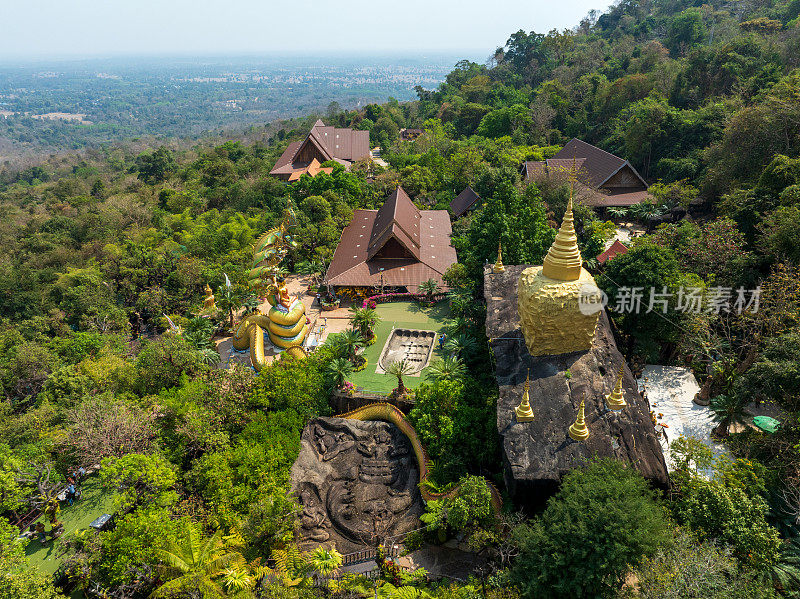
(105, 27)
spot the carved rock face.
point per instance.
(356, 482)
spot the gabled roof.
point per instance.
(342, 145)
(367, 233)
(615, 249)
(599, 165)
(284, 164)
(398, 218)
(347, 144)
(464, 201)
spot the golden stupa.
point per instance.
(498, 266)
(616, 399)
(559, 302)
(524, 411)
(578, 430)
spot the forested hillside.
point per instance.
(99, 248)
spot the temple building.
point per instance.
(323, 143)
(464, 202)
(398, 246)
(603, 180)
(565, 392)
(615, 249)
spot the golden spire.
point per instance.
(616, 400)
(523, 410)
(579, 431)
(498, 266)
(563, 260)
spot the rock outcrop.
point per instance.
(357, 483)
(538, 453)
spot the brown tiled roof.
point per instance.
(464, 201)
(615, 249)
(352, 266)
(347, 144)
(560, 168)
(620, 198)
(284, 164)
(342, 145)
(600, 165)
(398, 218)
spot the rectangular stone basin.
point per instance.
(412, 345)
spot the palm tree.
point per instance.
(209, 356)
(236, 580)
(325, 561)
(399, 369)
(338, 370)
(228, 300)
(446, 369)
(190, 563)
(348, 342)
(460, 345)
(364, 319)
(250, 303)
(292, 566)
(459, 303)
(728, 409)
(617, 211)
(457, 326)
(429, 288)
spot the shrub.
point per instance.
(604, 519)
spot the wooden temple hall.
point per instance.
(397, 247)
(322, 144)
(603, 180)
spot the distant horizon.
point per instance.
(476, 55)
(76, 29)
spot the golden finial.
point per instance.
(524, 411)
(579, 431)
(498, 266)
(563, 260)
(616, 400)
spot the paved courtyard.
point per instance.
(670, 390)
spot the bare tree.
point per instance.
(102, 427)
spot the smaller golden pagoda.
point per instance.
(498, 266)
(563, 261)
(524, 411)
(578, 430)
(616, 399)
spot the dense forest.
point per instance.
(101, 247)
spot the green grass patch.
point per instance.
(398, 315)
(94, 503)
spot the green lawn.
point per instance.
(397, 315)
(94, 503)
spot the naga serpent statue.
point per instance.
(285, 322)
(386, 412)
